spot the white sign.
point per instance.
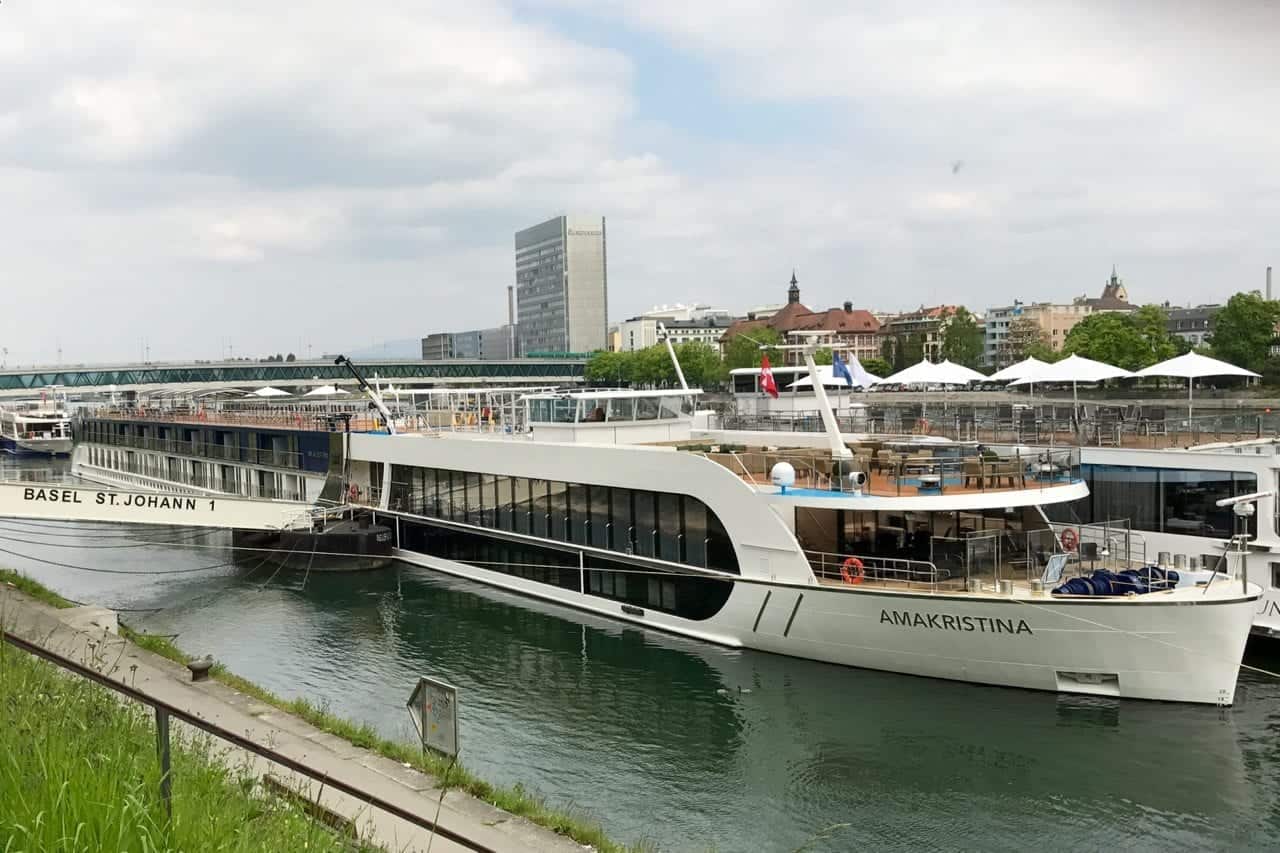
(76, 503)
(433, 706)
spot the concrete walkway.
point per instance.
(86, 634)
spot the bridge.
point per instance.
(132, 377)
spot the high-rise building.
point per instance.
(562, 285)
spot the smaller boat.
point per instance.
(36, 428)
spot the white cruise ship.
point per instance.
(899, 554)
(40, 428)
(904, 553)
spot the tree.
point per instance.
(743, 350)
(701, 364)
(290, 357)
(1152, 322)
(877, 367)
(1243, 330)
(1112, 337)
(822, 356)
(962, 339)
(903, 350)
(609, 368)
(1026, 339)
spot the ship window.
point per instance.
(646, 524)
(599, 515)
(488, 516)
(670, 527)
(1275, 575)
(541, 506)
(504, 503)
(744, 383)
(623, 533)
(622, 409)
(579, 514)
(647, 408)
(558, 509)
(520, 516)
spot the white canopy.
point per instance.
(1192, 366)
(1026, 367)
(928, 373)
(1074, 369)
(827, 373)
(268, 391)
(325, 391)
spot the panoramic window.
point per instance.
(662, 525)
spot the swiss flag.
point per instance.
(767, 385)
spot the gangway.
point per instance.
(61, 502)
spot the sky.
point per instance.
(188, 179)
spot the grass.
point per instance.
(515, 800)
(79, 772)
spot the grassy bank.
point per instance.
(78, 771)
(513, 800)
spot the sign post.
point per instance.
(433, 707)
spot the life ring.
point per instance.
(852, 571)
(353, 492)
(1069, 539)
(923, 424)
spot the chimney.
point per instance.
(511, 321)
(1268, 282)
(848, 307)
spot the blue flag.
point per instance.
(838, 369)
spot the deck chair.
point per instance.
(1053, 569)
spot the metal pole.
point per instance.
(162, 748)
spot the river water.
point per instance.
(685, 744)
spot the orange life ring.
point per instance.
(856, 575)
(1069, 539)
(924, 426)
(353, 491)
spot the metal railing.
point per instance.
(911, 574)
(203, 450)
(166, 710)
(1090, 425)
(908, 469)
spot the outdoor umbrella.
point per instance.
(268, 391)
(928, 373)
(1074, 369)
(1192, 366)
(325, 391)
(1026, 367)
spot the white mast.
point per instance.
(671, 351)
(838, 448)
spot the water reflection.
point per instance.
(701, 747)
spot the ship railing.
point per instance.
(896, 571)
(1090, 425)
(901, 468)
(1110, 544)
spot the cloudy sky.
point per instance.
(272, 176)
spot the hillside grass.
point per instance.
(79, 772)
(514, 800)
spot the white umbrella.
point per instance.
(1026, 367)
(928, 373)
(1074, 369)
(1192, 366)
(268, 391)
(325, 391)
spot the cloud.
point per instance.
(274, 161)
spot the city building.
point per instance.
(562, 285)
(683, 323)
(1193, 325)
(925, 324)
(1010, 329)
(856, 330)
(1114, 297)
(476, 344)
